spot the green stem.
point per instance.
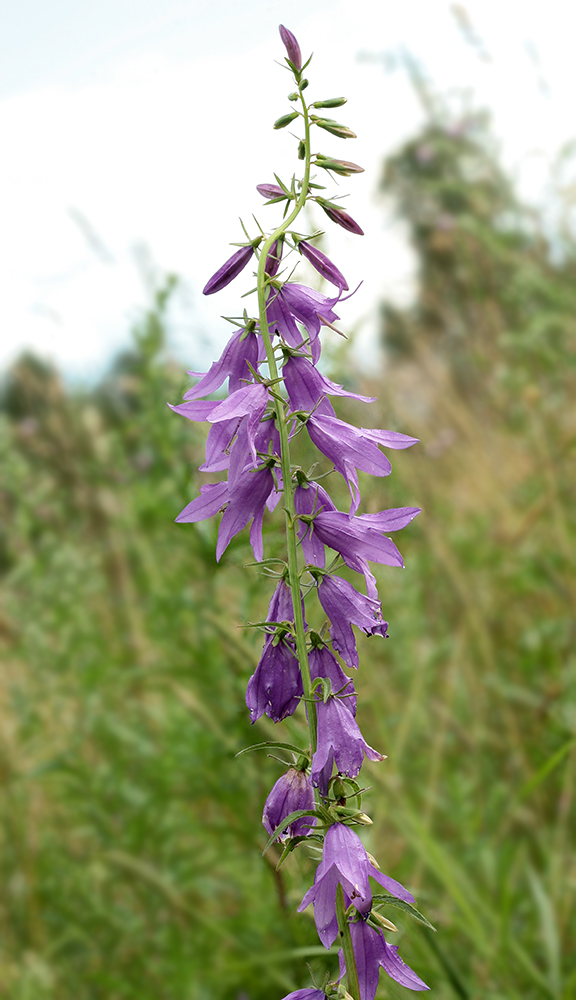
(282, 423)
(353, 985)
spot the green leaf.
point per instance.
(381, 898)
(286, 823)
(271, 744)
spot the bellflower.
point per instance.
(323, 663)
(247, 501)
(307, 388)
(323, 264)
(345, 861)
(229, 270)
(307, 994)
(270, 191)
(351, 448)
(281, 608)
(275, 687)
(357, 539)
(243, 348)
(372, 951)
(291, 792)
(249, 402)
(292, 47)
(274, 257)
(342, 218)
(309, 306)
(340, 742)
(346, 606)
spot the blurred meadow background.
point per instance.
(130, 835)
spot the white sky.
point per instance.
(151, 120)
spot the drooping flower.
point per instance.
(345, 861)
(340, 742)
(275, 687)
(292, 47)
(292, 791)
(341, 218)
(243, 348)
(323, 663)
(307, 388)
(229, 270)
(372, 951)
(309, 306)
(323, 264)
(307, 994)
(359, 540)
(247, 501)
(351, 448)
(249, 402)
(345, 606)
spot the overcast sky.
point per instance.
(147, 123)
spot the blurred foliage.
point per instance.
(131, 835)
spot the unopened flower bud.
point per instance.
(341, 218)
(274, 257)
(332, 102)
(229, 270)
(303, 84)
(338, 788)
(293, 96)
(292, 47)
(342, 131)
(270, 191)
(285, 120)
(301, 150)
(383, 921)
(323, 264)
(343, 167)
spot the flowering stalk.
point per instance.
(291, 524)
(250, 439)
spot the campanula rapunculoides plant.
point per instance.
(276, 391)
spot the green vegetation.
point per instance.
(130, 855)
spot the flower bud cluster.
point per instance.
(276, 389)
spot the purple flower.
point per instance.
(270, 191)
(342, 218)
(307, 388)
(351, 448)
(346, 606)
(274, 257)
(339, 741)
(249, 402)
(308, 306)
(344, 861)
(275, 687)
(291, 792)
(359, 541)
(292, 47)
(371, 950)
(323, 264)
(242, 348)
(307, 994)
(281, 608)
(247, 501)
(308, 500)
(232, 267)
(323, 663)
